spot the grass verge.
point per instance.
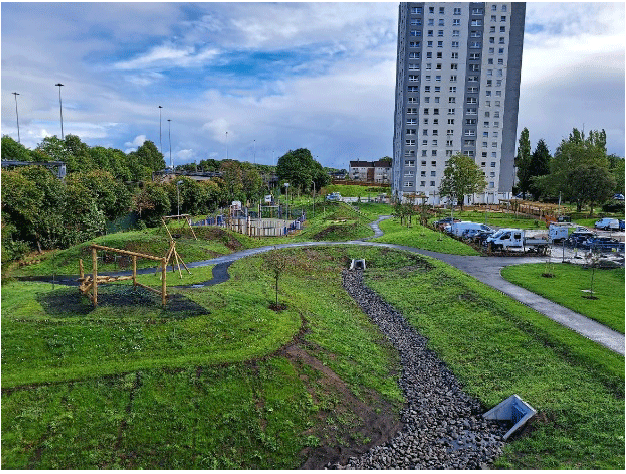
(421, 238)
(566, 285)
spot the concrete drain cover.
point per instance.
(514, 409)
(357, 264)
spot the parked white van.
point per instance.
(458, 228)
(607, 223)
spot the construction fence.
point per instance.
(254, 226)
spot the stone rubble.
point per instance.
(442, 426)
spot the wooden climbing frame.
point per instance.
(89, 284)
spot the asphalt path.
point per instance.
(484, 269)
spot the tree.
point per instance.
(12, 150)
(539, 166)
(111, 196)
(148, 156)
(299, 169)
(575, 153)
(252, 182)
(152, 202)
(591, 185)
(524, 172)
(616, 166)
(275, 264)
(232, 177)
(460, 177)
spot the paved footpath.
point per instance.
(484, 269)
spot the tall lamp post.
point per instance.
(169, 132)
(17, 117)
(59, 85)
(226, 145)
(160, 141)
(178, 194)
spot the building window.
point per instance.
(414, 55)
(429, 66)
(450, 111)
(452, 78)
(502, 29)
(441, 10)
(427, 78)
(415, 44)
(432, 183)
(496, 124)
(491, 40)
(415, 33)
(455, 44)
(472, 90)
(503, 18)
(435, 133)
(493, 154)
(469, 152)
(456, 32)
(434, 153)
(438, 66)
(408, 184)
(430, 32)
(470, 121)
(470, 133)
(491, 51)
(416, 10)
(457, 11)
(487, 93)
(485, 135)
(437, 78)
(449, 132)
(425, 132)
(412, 100)
(410, 142)
(496, 115)
(452, 90)
(456, 22)
(410, 131)
(414, 78)
(501, 40)
(503, 8)
(414, 67)
(416, 21)
(439, 55)
(413, 88)
(474, 56)
(484, 155)
(470, 111)
(423, 173)
(424, 152)
(497, 103)
(491, 184)
(476, 23)
(429, 44)
(409, 174)
(433, 173)
(454, 66)
(484, 144)
(434, 143)
(440, 44)
(440, 23)
(411, 121)
(498, 93)
(426, 111)
(477, 11)
(485, 124)
(474, 68)
(424, 142)
(451, 100)
(409, 163)
(471, 100)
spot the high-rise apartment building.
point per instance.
(457, 90)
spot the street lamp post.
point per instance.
(226, 145)
(160, 141)
(169, 132)
(17, 117)
(254, 150)
(178, 194)
(59, 85)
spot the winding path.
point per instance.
(484, 269)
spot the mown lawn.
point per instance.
(422, 238)
(566, 288)
(498, 347)
(497, 219)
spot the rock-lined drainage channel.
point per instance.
(443, 427)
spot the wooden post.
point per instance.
(134, 270)
(81, 269)
(94, 258)
(163, 283)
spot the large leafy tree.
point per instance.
(574, 157)
(110, 195)
(299, 169)
(232, 178)
(460, 177)
(616, 166)
(591, 185)
(12, 150)
(148, 156)
(524, 172)
(252, 182)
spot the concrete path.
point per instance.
(484, 269)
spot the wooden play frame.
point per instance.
(89, 284)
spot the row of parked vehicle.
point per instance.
(609, 223)
(504, 239)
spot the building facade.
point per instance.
(457, 90)
(370, 171)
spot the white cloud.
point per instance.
(169, 56)
(137, 142)
(185, 155)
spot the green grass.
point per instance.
(354, 190)
(136, 386)
(422, 238)
(139, 387)
(497, 219)
(566, 285)
(498, 347)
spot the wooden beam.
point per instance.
(164, 284)
(149, 288)
(126, 252)
(94, 258)
(134, 270)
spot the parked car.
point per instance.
(470, 231)
(619, 197)
(604, 244)
(607, 223)
(441, 223)
(621, 224)
(333, 197)
(482, 235)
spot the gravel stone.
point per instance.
(443, 427)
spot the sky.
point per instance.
(250, 81)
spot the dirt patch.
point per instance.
(69, 302)
(335, 232)
(348, 426)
